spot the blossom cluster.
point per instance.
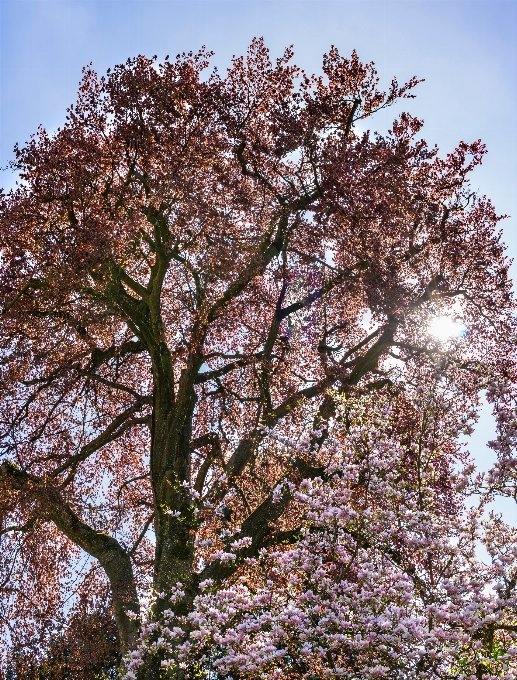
(383, 579)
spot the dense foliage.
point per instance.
(221, 381)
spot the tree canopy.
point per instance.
(221, 383)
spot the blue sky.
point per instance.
(466, 51)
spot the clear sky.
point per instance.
(465, 50)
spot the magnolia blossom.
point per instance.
(384, 579)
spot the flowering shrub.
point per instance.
(379, 578)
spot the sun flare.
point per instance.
(445, 328)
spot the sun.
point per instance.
(445, 328)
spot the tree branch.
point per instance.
(114, 430)
(320, 292)
(113, 558)
(141, 535)
(224, 370)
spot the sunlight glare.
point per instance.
(444, 327)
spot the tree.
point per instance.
(195, 270)
(380, 576)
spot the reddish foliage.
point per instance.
(189, 260)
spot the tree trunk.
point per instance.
(175, 518)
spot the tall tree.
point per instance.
(193, 267)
